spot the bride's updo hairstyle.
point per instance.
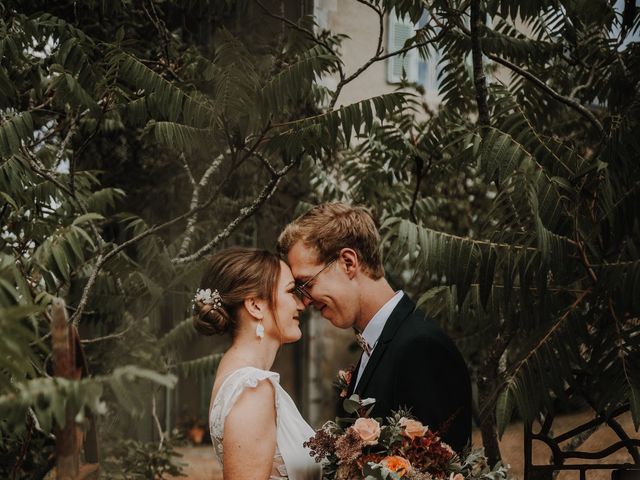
(235, 273)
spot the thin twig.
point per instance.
(380, 14)
(540, 84)
(265, 161)
(157, 421)
(379, 58)
(65, 141)
(571, 103)
(416, 191)
(308, 33)
(87, 289)
(266, 193)
(106, 337)
(514, 372)
(38, 168)
(550, 332)
(583, 253)
(590, 80)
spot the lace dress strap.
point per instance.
(291, 461)
(229, 392)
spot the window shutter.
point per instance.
(400, 30)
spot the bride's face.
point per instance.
(288, 307)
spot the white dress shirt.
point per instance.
(374, 328)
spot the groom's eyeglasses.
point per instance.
(301, 289)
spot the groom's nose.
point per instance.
(307, 301)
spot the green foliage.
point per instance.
(521, 233)
(133, 460)
(521, 236)
(98, 111)
(52, 399)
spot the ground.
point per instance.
(202, 464)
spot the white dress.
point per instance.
(291, 460)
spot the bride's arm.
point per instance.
(249, 441)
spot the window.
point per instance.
(416, 69)
(400, 30)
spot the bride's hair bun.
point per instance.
(231, 276)
(210, 320)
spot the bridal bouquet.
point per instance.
(400, 448)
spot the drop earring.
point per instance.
(260, 330)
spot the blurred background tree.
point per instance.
(137, 138)
(511, 212)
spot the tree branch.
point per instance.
(308, 33)
(245, 213)
(157, 420)
(187, 168)
(191, 223)
(380, 14)
(379, 58)
(479, 78)
(106, 337)
(75, 318)
(571, 103)
(265, 161)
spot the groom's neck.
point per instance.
(373, 295)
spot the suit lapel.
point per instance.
(404, 308)
(354, 374)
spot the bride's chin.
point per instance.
(294, 338)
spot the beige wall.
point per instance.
(361, 24)
(330, 349)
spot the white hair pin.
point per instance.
(208, 297)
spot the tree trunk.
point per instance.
(487, 401)
(488, 378)
(479, 77)
(68, 440)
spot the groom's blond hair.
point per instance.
(329, 227)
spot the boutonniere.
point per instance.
(343, 380)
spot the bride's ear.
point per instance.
(255, 307)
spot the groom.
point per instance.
(407, 360)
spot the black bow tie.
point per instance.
(362, 343)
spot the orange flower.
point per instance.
(397, 464)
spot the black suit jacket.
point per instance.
(416, 365)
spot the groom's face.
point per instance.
(330, 290)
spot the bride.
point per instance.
(256, 429)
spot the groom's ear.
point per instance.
(349, 258)
(255, 307)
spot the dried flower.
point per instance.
(347, 471)
(479, 466)
(349, 446)
(321, 444)
(415, 475)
